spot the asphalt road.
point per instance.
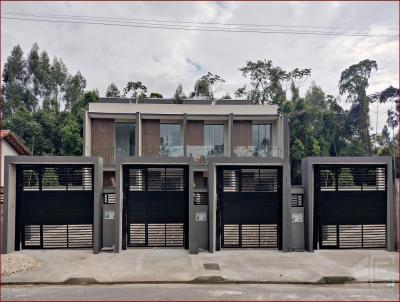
(377, 292)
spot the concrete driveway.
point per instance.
(177, 265)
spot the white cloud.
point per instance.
(161, 58)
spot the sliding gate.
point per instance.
(249, 207)
(350, 206)
(54, 206)
(156, 206)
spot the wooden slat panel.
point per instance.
(150, 137)
(242, 133)
(195, 133)
(103, 137)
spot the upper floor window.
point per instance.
(261, 135)
(170, 140)
(124, 139)
(214, 139)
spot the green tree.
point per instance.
(71, 138)
(113, 91)
(354, 81)
(207, 85)
(267, 81)
(155, 95)
(137, 90)
(15, 84)
(179, 95)
(74, 89)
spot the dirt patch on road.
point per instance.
(15, 263)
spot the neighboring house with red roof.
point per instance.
(10, 145)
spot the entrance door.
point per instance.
(156, 202)
(249, 207)
(350, 206)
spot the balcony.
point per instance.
(171, 150)
(200, 153)
(257, 151)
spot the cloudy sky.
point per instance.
(163, 58)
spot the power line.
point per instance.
(183, 22)
(209, 29)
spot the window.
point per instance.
(170, 140)
(124, 139)
(261, 135)
(214, 139)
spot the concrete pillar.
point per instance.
(138, 134)
(391, 214)
(184, 134)
(9, 208)
(230, 134)
(212, 207)
(118, 207)
(98, 206)
(286, 189)
(193, 242)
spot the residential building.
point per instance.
(243, 143)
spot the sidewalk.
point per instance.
(242, 266)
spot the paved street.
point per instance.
(377, 292)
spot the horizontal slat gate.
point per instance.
(156, 206)
(55, 206)
(351, 206)
(249, 207)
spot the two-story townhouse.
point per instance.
(202, 174)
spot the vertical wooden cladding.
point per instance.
(150, 137)
(195, 133)
(103, 138)
(242, 133)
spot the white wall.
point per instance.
(6, 149)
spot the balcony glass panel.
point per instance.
(170, 140)
(257, 151)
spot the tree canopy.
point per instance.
(44, 104)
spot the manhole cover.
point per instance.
(211, 266)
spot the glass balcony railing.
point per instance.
(257, 151)
(200, 153)
(171, 150)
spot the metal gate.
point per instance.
(350, 206)
(249, 207)
(54, 206)
(156, 206)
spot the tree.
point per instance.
(267, 81)
(137, 89)
(207, 85)
(354, 81)
(155, 95)
(15, 79)
(113, 91)
(74, 89)
(226, 96)
(71, 139)
(179, 95)
(59, 73)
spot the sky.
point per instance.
(162, 59)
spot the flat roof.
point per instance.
(191, 108)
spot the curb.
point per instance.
(327, 280)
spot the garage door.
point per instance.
(55, 206)
(350, 208)
(249, 207)
(156, 203)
